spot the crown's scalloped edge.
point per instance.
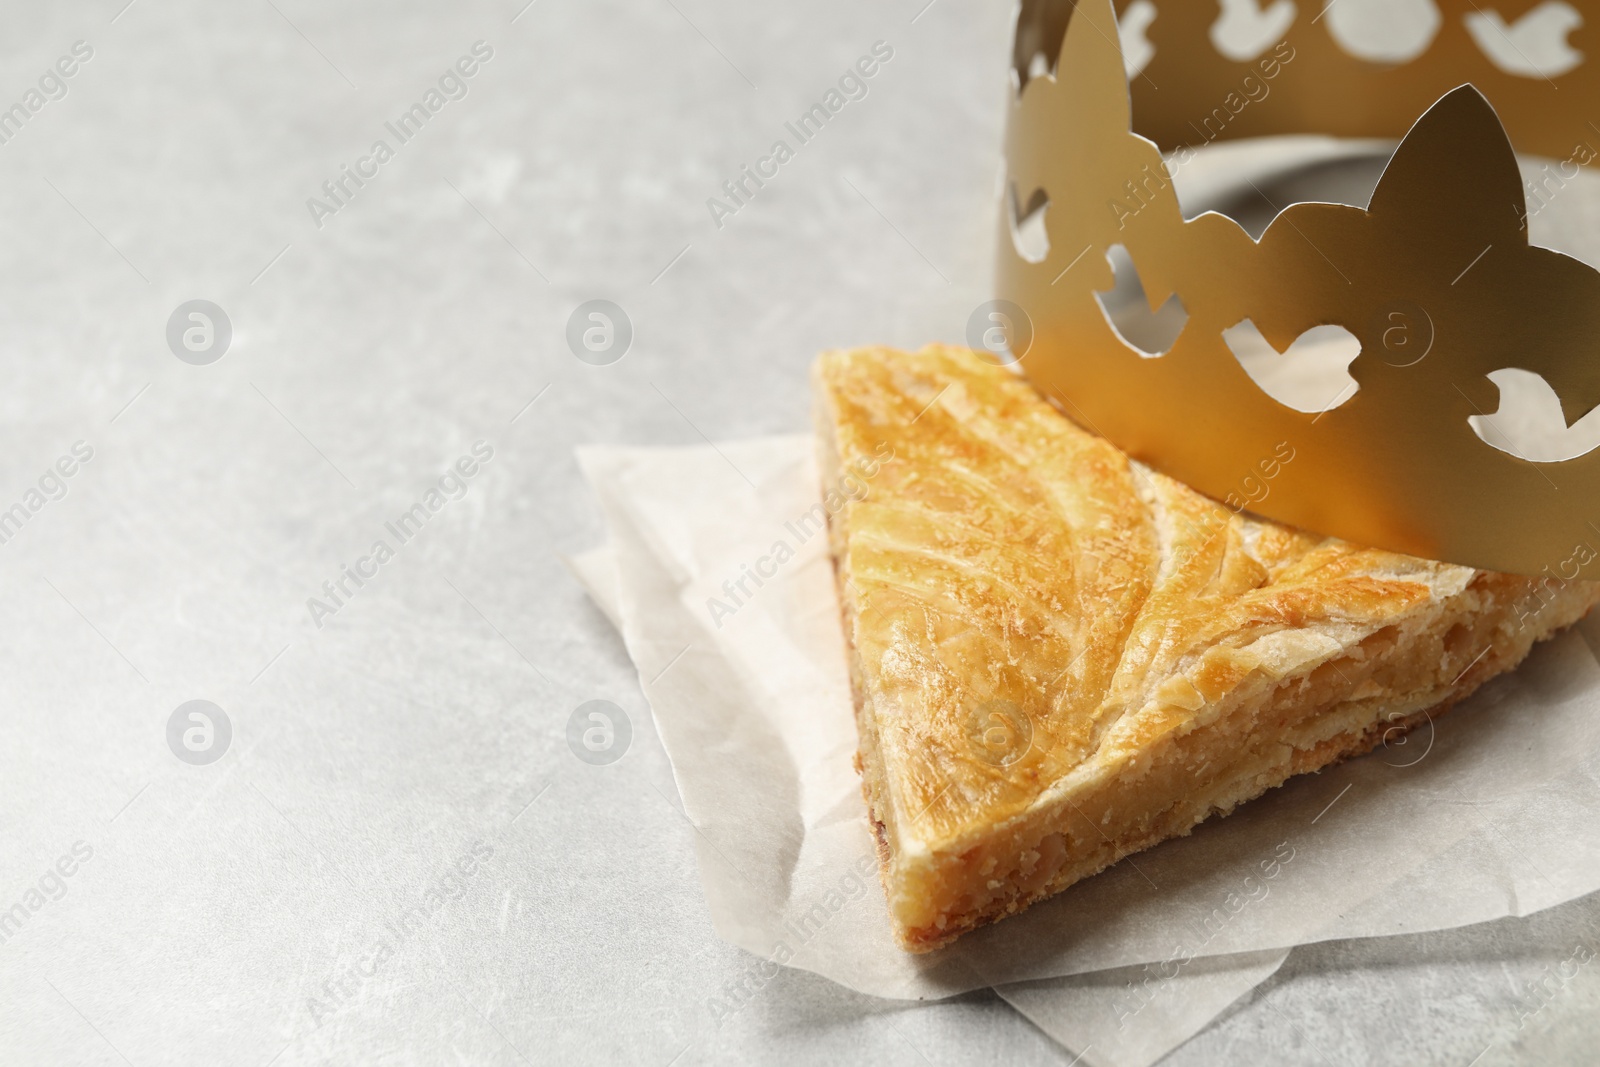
(1462, 120)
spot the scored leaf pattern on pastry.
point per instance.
(1006, 563)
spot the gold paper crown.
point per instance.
(1435, 278)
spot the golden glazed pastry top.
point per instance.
(1034, 610)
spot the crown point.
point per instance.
(1454, 172)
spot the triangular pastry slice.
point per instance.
(1061, 657)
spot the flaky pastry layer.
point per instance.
(1061, 657)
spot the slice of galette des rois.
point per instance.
(1060, 657)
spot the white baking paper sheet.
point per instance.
(1485, 815)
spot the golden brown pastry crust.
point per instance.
(1061, 657)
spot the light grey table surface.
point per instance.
(230, 913)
